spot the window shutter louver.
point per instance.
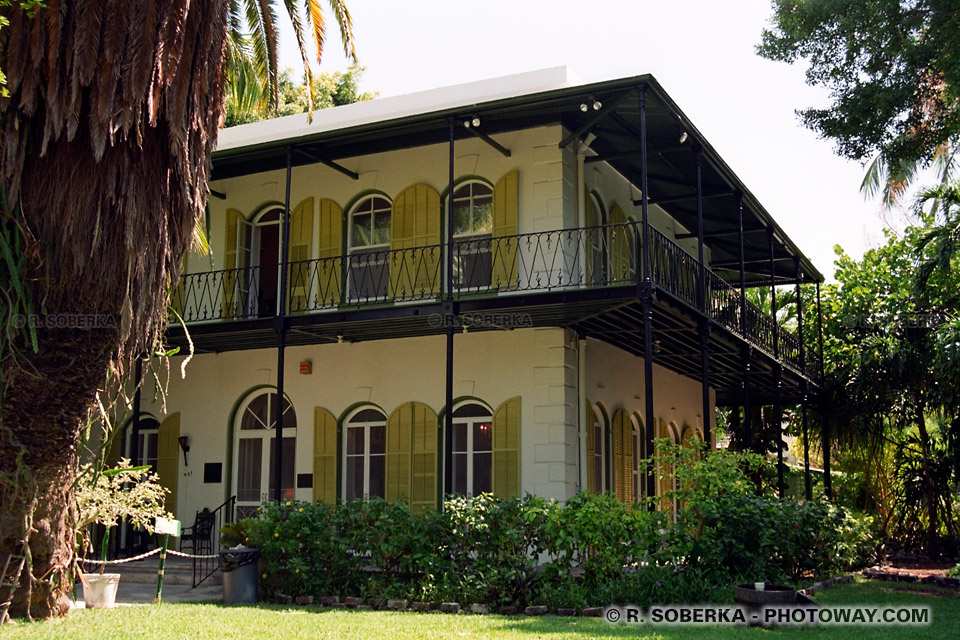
(618, 454)
(298, 253)
(330, 254)
(506, 449)
(423, 491)
(627, 439)
(621, 246)
(324, 456)
(399, 452)
(505, 212)
(230, 262)
(591, 450)
(414, 223)
(168, 459)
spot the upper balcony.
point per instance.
(586, 278)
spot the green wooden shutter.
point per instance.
(298, 253)
(115, 452)
(665, 470)
(506, 448)
(627, 445)
(415, 223)
(168, 458)
(591, 449)
(230, 262)
(591, 218)
(621, 246)
(324, 456)
(621, 426)
(330, 253)
(399, 451)
(505, 210)
(423, 491)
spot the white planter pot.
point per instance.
(100, 590)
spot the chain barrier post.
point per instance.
(163, 562)
(166, 527)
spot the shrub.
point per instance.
(592, 550)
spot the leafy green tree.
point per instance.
(329, 90)
(892, 68)
(885, 377)
(107, 131)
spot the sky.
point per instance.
(701, 52)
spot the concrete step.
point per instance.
(178, 571)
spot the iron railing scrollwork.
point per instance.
(483, 265)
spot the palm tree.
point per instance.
(941, 241)
(891, 181)
(105, 143)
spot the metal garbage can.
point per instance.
(239, 566)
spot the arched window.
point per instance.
(255, 451)
(369, 244)
(471, 450)
(599, 450)
(472, 228)
(595, 241)
(365, 454)
(148, 435)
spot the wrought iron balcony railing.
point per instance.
(604, 256)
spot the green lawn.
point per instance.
(199, 621)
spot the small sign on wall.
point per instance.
(212, 472)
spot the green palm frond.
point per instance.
(254, 43)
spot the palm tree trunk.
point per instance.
(105, 142)
(933, 531)
(43, 410)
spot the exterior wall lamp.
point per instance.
(184, 446)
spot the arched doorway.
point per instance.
(254, 450)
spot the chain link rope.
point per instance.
(148, 554)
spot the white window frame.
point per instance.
(473, 235)
(470, 452)
(379, 248)
(366, 426)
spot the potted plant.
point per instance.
(105, 498)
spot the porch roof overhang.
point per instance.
(613, 129)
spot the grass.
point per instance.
(202, 621)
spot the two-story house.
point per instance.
(512, 286)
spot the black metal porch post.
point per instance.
(746, 351)
(280, 324)
(449, 320)
(704, 308)
(778, 371)
(647, 298)
(133, 452)
(135, 425)
(807, 481)
(824, 425)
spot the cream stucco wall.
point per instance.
(615, 379)
(536, 364)
(542, 366)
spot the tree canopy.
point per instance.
(891, 359)
(892, 68)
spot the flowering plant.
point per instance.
(122, 492)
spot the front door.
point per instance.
(255, 453)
